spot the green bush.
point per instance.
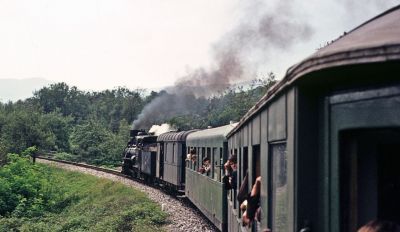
(67, 157)
(26, 190)
(36, 197)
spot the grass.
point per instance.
(88, 203)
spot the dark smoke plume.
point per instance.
(235, 56)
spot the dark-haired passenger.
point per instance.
(191, 158)
(206, 167)
(252, 207)
(380, 226)
(230, 178)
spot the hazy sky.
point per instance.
(100, 44)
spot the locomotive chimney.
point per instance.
(135, 132)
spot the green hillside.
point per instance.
(44, 198)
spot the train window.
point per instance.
(242, 169)
(170, 152)
(196, 161)
(188, 162)
(279, 189)
(166, 152)
(245, 163)
(216, 164)
(370, 177)
(208, 155)
(173, 153)
(221, 171)
(256, 163)
(237, 177)
(200, 158)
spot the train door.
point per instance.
(369, 176)
(360, 165)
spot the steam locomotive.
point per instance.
(139, 155)
(325, 140)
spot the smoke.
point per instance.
(364, 9)
(160, 129)
(166, 106)
(235, 57)
(264, 31)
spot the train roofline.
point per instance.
(212, 134)
(175, 136)
(342, 52)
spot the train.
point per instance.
(325, 141)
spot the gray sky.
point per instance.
(100, 44)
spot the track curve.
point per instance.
(182, 215)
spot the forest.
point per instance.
(93, 127)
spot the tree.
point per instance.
(93, 143)
(60, 97)
(25, 129)
(61, 127)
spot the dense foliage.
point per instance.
(93, 127)
(42, 198)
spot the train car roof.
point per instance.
(214, 137)
(377, 40)
(174, 136)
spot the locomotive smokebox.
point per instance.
(134, 132)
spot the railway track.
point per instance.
(107, 170)
(183, 216)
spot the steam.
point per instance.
(236, 57)
(160, 129)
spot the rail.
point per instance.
(181, 198)
(107, 170)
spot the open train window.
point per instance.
(216, 164)
(196, 161)
(221, 163)
(256, 172)
(186, 151)
(369, 176)
(239, 157)
(245, 163)
(242, 170)
(279, 200)
(208, 156)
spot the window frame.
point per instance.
(272, 210)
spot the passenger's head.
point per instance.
(233, 161)
(380, 226)
(233, 158)
(206, 160)
(192, 151)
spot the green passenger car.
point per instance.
(326, 139)
(206, 190)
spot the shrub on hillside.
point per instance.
(26, 190)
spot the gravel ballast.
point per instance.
(182, 217)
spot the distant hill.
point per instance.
(19, 89)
